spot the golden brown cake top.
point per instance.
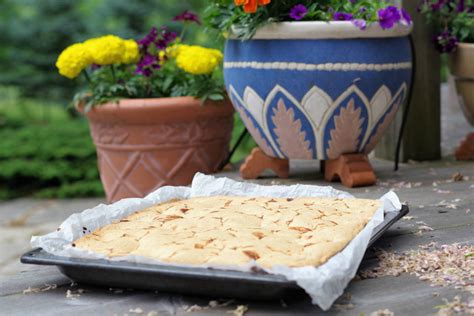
(228, 230)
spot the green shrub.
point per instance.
(51, 160)
(43, 151)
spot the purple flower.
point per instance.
(166, 38)
(446, 42)
(149, 38)
(187, 16)
(298, 12)
(94, 67)
(361, 24)
(341, 16)
(388, 17)
(406, 16)
(149, 45)
(438, 5)
(147, 64)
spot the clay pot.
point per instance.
(143, 144)
(462, 68)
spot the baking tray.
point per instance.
(197, 281)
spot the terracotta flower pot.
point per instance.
(143, 144)
(462, 68)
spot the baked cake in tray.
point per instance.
(228, 230)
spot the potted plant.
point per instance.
(454, 23)
(315, 79)
(156, 107)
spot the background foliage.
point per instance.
(45, 148)
(43, 151)
(34, 32)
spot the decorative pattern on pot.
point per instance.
(319, 98)
(170, 154)
(317, 127)
(146, 144)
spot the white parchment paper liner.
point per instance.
(324, 283)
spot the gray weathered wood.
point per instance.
(403, 295)
(422, 139)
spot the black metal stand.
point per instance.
(407, 107)
(234, 149)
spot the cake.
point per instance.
(230, 231)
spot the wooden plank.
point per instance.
(35, 278)
(404, 295)
(422, 139)
(401, 241)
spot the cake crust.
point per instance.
(228, 230)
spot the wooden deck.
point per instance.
(434, 197)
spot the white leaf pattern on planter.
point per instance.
(345, 135)
(380, 103)
(316, 102)
(290, 137)
(249, 123)
(254, 104)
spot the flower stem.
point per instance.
(88, 78)
(183, 32)
(112, 69)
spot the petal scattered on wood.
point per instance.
(46, 287)
(74, 294)
(137, 310)
(456, 307)
(382, 312)
(446, 265)
(239, 311)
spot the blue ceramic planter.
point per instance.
(316, 90)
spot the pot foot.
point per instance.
(258, 161)
(465, 150)
(353, 170)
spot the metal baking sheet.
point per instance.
(196, 281)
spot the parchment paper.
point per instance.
(324, 283)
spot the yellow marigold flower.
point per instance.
(131, 52)
(174, 50)
(106, 50)
(199, 60)
(73, 60)
(162, 57)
